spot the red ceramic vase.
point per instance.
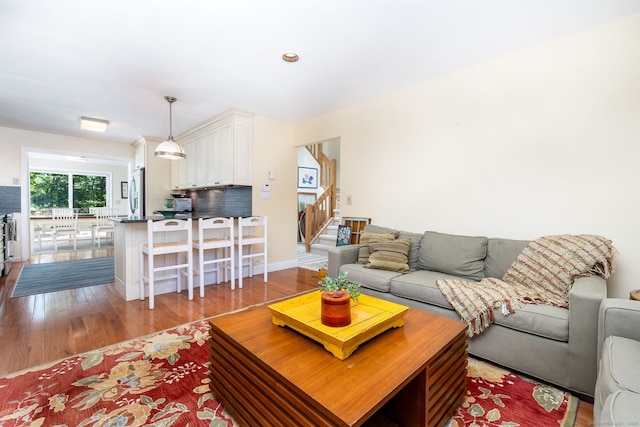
(335, 308)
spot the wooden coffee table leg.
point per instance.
(433, 396)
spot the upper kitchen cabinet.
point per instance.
(140, 156)
(219, 152)
(219, 158)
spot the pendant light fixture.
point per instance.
(170, 149)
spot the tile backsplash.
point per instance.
(9, 199)
(224, 202)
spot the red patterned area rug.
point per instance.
(161, 380)
(497, 397)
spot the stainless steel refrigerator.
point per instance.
(136, 194)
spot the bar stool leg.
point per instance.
(152, 278)
(190, 273)
(201, 269)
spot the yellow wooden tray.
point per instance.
(369, 317)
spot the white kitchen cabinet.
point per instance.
(178, 174)
(220, 152)
(139, 158)
(220, 155)
(243, 151)
(196, 162)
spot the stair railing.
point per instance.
(318, 216)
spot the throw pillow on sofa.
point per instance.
(389, 254)
(461, 256)
(363, 254)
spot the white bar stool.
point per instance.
(225, 243)
(252, 232)
(182, 248)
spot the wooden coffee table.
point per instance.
(267, 375)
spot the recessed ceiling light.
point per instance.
(290, 57)
(95, 125)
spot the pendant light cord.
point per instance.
(170, 100)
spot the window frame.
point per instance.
(70, 174)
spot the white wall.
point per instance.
(274, 150)
(544, 141)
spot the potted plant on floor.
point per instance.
(336, 297)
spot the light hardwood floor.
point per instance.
(42, 328)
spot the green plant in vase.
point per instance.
(336, 295)
(339, 285)
(169, 203)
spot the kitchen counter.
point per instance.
(129, 234)
(134, 219)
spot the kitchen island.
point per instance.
(130, 233)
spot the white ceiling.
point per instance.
(117, 59)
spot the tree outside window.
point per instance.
(59, 190)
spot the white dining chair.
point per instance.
(252, 236)
(217, 248)
(179, 235)
(102, 224)
(64, 222)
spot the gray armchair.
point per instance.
(617, 394)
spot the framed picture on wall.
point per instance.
(307, 177)
(124, 190)
(305, 199)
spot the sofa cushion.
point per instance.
(378, 280)
(500, 255)
(416, 238)
(461, 256)
(620, 409)
(618, 367)
(421, 286)
(389, 254)
(365, 236)
(538, 319)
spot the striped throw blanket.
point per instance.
(543, 273)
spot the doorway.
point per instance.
(94, 173)
(311, 187)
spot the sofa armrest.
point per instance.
(619, 317)
(584, 302)
(342, 255)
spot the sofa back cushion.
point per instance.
(500, 255)
(461, 256)
(414, 248)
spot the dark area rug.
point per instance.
(37, 279)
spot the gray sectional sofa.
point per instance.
(557, 345)
(617, 395)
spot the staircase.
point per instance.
(317, 256)
(318, 215)
(327, 237)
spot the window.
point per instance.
(67, 190)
